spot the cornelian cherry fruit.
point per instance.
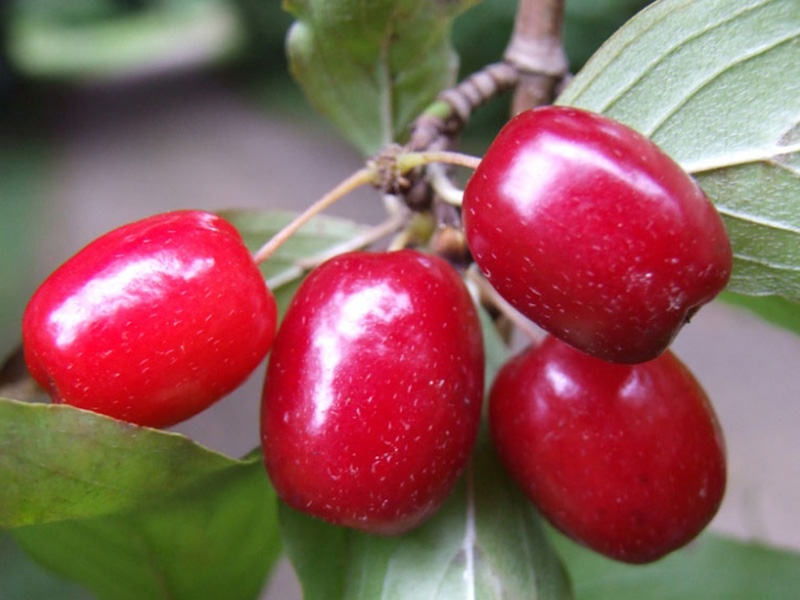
(152, 322)
(592, 232)
(628, 460)
(374, 389)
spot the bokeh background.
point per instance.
(113, 110)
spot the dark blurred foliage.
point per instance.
(480, 35)
(265, 25)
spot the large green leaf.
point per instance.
(371, 66)
(486, 542)
(716, 84)
(219, 542)
(58, 462)
(712, 568)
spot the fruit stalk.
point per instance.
(357, 179)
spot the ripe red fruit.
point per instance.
(592, 232)
(629, 460)
(373, 392)
(152, 322)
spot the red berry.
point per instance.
(595, 234)
(627, 459)
(152, 322)
(374, 389)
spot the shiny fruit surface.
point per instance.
(374, 389)
(152, 322)
(595, 234)
(628, 460)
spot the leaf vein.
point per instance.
(770, 155)
(621, 50)
(677, 45)
(767, 263)
(691, 93)
(750, 218)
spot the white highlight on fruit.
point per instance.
(121, 286)
(350, 318)
(562, 385)
(533, 176)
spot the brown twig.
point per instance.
(536, 50)
(435, 127)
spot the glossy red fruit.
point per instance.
(592, 232)
(628, 460)
(152, 322)
(373, 392)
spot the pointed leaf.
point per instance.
(712, 568)
(715, 84)
(371, 67)
(216, 542)
(58, 462)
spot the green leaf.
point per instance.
(494, 348)
(712, 568)
(320, 235)
(589, 23)
(371, 67)
(58, 462)
(218, 542)
(486, 542)
(715, 84)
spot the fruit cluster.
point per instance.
(374, 389)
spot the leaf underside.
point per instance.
(715, 83)
(321, 234)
